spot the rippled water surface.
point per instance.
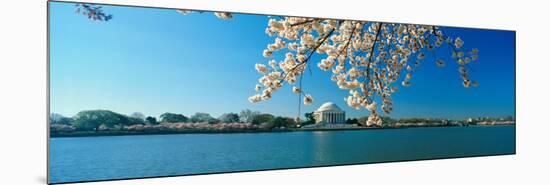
(116, 157)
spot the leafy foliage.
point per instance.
(151, 120)
(92, 119)
(59, 119)
(277, 121)
(310, 119)
(248, 115)
(262, 118)
(352, 121)
(138, 115)
(229, 118)
(173, 118)
(203, 117)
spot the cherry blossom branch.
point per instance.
(377, 58)
(92, 12)
(347, 43)
(309, 55)
(372, 48)
(300, 23)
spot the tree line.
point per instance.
(94, 120)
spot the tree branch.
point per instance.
(300, 23)
(387, 53)
(310, 54)
(347, 44)
(452, 48)
(372, 49)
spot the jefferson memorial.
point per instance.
(329, 113)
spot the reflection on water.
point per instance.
(320, 146)
(115, 157)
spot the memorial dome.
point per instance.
(329, 106)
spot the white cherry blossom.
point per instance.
(365, 58)
(308, 99)
(223, 15)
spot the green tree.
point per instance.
(173, 118)
(151, 120)
(248, 115)
(310, 119)
(509, 118)
(203, 117)
(60, 119)
(138, 115)
(387, 121)
(363, 120)
(352, 121)
(262, 118)
(289, 122)
(229, 118)
(92, 119)
(135, 121)
(278, 121)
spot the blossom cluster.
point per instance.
(365, 58)
(223, 15)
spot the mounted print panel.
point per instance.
(138, 92)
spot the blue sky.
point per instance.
(157, 60)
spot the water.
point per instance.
(116, 157)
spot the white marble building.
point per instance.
(329, 113)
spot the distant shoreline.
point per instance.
(125, 133)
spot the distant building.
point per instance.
(329, 113)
